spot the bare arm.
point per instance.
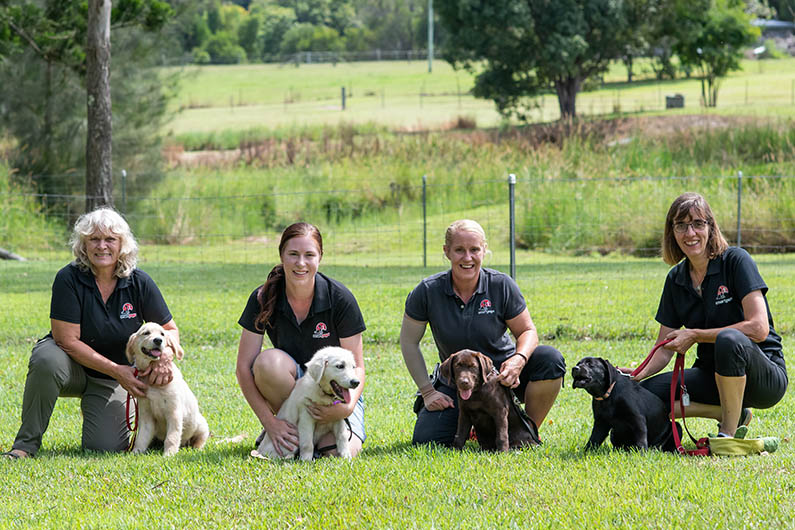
(67, 337)
(661, 357)
(249, 347)
(524, 331)
(411, 332)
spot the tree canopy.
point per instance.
(528, 46)
(520, 49)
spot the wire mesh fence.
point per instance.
(383, 222)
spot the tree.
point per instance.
(99, 176)
(528, 46)
(55, 33)
(711, 38)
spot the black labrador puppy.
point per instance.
(483, 402)
(633, 416)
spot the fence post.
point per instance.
(424, 223)
(123, 191)
(343, 98)
(739, 204)
(512, 209)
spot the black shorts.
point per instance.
(735, 355)
(440, 426)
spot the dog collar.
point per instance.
(607, 394)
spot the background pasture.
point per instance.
(582, 305)
(590, 205)
(402, 95)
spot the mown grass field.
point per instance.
(601, 306)
(403, 95)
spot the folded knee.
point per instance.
(731, 352)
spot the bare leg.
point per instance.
(698, 410)
(539, 396)
(731, 390)
(355, 444)
(274, 374)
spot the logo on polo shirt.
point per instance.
(320, 331)
(720, 296)
(485, 307)
(127, 311)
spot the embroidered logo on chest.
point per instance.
(485, 307)
(321, 331)
(127, 311)
(722, 296)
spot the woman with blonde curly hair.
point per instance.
(98, 301)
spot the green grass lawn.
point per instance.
(601, 306)
(403, 95)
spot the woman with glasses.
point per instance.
(715, 298)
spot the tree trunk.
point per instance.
(567, 89)
(99, 176)
(628, 62)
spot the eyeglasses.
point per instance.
(697, 224)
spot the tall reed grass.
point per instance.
(22, 223)
(593, 186)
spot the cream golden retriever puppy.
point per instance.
(170, 412)
(330, 374)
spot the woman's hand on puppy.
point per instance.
(330, 413)
(284, 436)
(126, 377)
(435, 400)
(160, 372)
(510, 370)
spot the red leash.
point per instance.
(702, 447)
(130, 427)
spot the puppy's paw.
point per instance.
(170, 451)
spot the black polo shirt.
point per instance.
(479, 324)
(334, 314)
(730, 277)
(106, 326)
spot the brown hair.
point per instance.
(269, 292)
(681, 208)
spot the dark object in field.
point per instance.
(633, 416)
(483, 402)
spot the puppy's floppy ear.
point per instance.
(316, 366)
(129, 351)
(446, 369)
(486, 366)
(174, 345)
(608, 371)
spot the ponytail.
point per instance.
(267, 298)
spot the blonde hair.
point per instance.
(464, 225)
(106, 221)
(682, 207)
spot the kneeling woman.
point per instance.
(470, 307)
(715, 298)
(302, 310)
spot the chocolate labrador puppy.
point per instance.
(633, 416)
(485, 403)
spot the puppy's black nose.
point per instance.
(158, 341)
(575, 371)
(354, 383)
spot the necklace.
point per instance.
(698, 289)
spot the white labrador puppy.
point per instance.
(170, 412)
(330, 374)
